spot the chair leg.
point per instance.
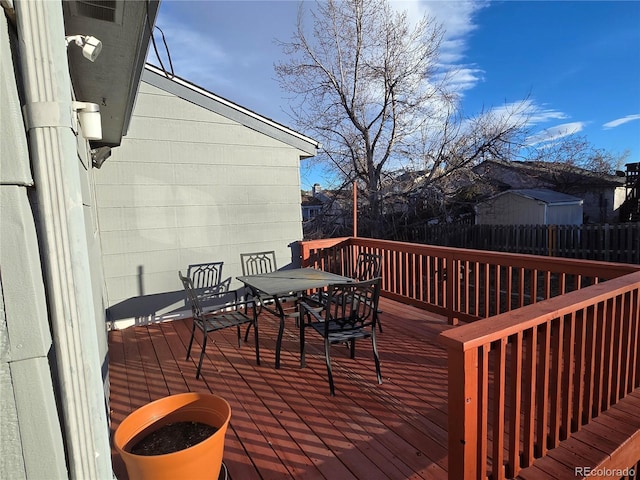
(352, 348)
(193, 332)
(239, 337)
(327, 357)
(255, 337)
(204, 346)
(246, 334)
(302, 343)
(279, 341)
(376, 358)
(379, 325)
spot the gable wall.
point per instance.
(190, 186)
(510, 209)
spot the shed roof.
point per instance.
(206, 99)
(544, 195)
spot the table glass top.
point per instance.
(294, 280)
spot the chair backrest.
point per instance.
(258, 262)
(368, 266)
(192, 297)
(352, 305)
(205, 275)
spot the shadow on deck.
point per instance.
(284, 423)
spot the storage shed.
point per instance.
(530, 207)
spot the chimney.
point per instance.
(316, 189)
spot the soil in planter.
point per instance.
(172, 438)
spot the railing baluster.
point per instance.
(483, 409)
(498, 308)
(529, 404)
(542, 390)
(579, 370)
(509, 287)
(556, 383)
(514, 407)
(600, 334)
(591, 322)
(634, 378)
(487, 289)
(568, 374)
(618, 326)
(476, 288)
(497, 454)
(607, 379)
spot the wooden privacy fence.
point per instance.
(551, 344)
(607, 242)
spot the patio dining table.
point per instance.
(280, 284)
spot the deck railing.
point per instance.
(459, 283)
(552, 342)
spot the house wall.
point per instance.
(564, 214)
(510, 209)
(601, 206)
(188, 185)
(32, 439)
(35, 443)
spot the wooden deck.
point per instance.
(284, 423)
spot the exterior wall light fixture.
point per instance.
(91, 46)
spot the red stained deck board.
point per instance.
(284, 422)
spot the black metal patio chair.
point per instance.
(368, 266)
(207, 282)
(257, 263)
(351, 313)
(224, 315)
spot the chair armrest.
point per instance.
(311, 310)
(246, 303)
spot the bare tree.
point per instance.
(369, 86)
(576, 151)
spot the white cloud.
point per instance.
(457, 19)
(465, 78)
(557, 132)
(528, 110)
(620, 121)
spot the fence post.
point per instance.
(463, 412)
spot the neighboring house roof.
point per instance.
(542, 195)
(199, 96)
(543, 173)
(311, 201)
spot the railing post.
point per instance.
(463, 413)
(304, 253)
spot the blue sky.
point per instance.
(578, 63)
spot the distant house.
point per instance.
(530, 207)
(197, 179)
(602, 194)
(311, 207)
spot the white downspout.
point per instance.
(62, 237)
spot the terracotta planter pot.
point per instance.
(201, 461)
